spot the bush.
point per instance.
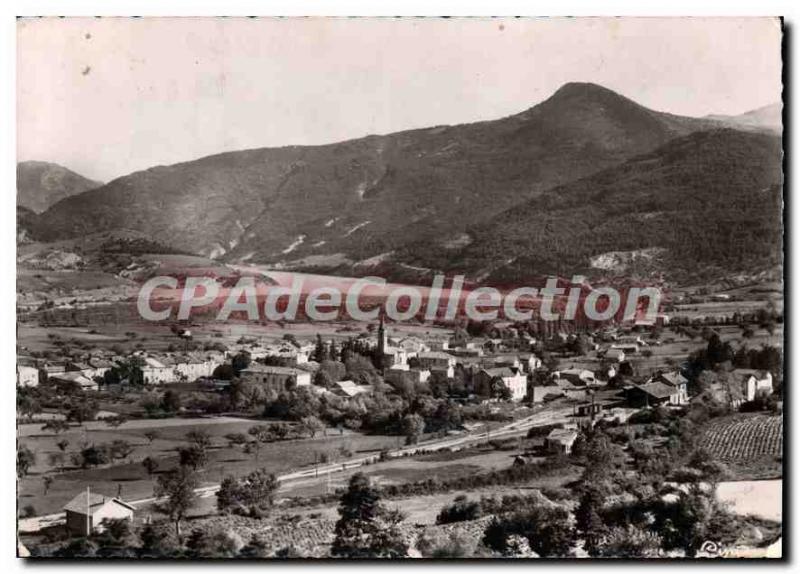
(549, 531)
(433, 544)
(460, 510)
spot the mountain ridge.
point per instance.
(353, 200)
(41, 184)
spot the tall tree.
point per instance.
(25, 460)
(365, 529)
(177, 487)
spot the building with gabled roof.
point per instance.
(652, 394)
(677, 381)
(753, 382)
(75, 378)
(513, 379)
(276, 378)
(86, 512)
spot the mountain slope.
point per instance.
(331, 206)
(41, 184)
(765, 118)
(708, 201)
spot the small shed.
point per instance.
(87, 510)
(561, 440)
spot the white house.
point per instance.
(437, 361)
(678, 382)
(754, 382)
(157, 372)
(194, 366)
(27, 376)
(86, 512)
(530, 362)
(515, 381)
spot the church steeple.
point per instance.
(382, 341)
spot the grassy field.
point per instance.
(157, 337)
(675, 348)
(131, 477)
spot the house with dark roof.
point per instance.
(652, 394)
(276, 378)
(677, 381)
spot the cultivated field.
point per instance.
(750, 444)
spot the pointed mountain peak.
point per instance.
(587, 92)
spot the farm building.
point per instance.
(753, 382)
(276, 378)
(677, 381)
(652, 394)
(52, 368)
(516, 382)
(578, 377)
(98, 367)
(510, 361)
(398, 375)
(437, 361)
(542, 393)
(71, 378)
(570, 389)
(561, 440)
(157, 371)
(413, 346)
(86, 512)
(192, 366)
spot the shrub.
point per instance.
(460, 510)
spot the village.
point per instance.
(495, 396)
(400, 287)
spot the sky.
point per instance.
(107, 97)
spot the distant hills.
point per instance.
(765, 118)
(41, 184)
(584, 172)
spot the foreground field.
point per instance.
(130, 478)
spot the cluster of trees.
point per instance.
(711, 366)
(252, 495)
(105, 453)
(161, 405)
(619, 513)
(128, 371)
(647, 514)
